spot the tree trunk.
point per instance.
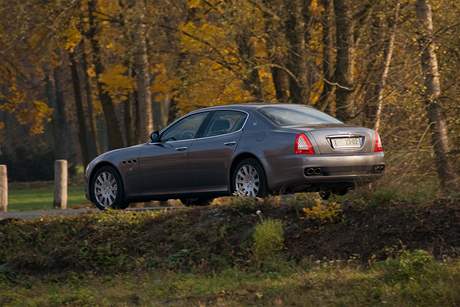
(373, 69)
(251, 78)
(295, 34)
(60, 127)
(280, 82)
(165, 106)
(50, 92)
(275, 41)
(82, 129)
(429, 65)
(173, 110)
(93, 141)
(387, 56)
(141, 68)
(344, 75)
(113, 127)
(130, 126)
(328, 57)
(94, 148)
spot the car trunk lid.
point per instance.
(339, 139)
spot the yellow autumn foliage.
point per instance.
(31, 113)
(321, 211)
(201, 37)
(117, 82)
(34, 114)
(209, 84)
(194, 3)
(163, 84)
(71, 35)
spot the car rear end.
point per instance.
(324, 156)
(340, 153)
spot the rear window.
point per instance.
(297, 116)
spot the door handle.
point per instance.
(230, 143)
(181, 148)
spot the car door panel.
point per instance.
(163, 167)
(210, 156)
(209, 161)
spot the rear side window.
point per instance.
(224, 122)
(297, 116)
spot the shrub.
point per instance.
(268, 241)
(321, 211)
(411, 265)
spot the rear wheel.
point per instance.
(107, 189)
(248, 179)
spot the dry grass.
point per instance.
(322, 284)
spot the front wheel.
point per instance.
(106, 189)
(248, 179)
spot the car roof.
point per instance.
(249, 106)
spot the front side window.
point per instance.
(297, 116)
(185, 129)
(224, 122)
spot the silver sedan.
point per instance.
(249, 150)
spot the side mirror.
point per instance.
(155, 137)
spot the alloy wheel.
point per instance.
(247, 181)
(105, 189)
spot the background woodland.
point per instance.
(79, 77)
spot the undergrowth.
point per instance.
(268, 241)
(232, 233)
(428, 283)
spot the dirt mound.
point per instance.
(379, 232)
(216, 237)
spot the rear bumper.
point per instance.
(293, 170)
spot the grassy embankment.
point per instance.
(295, 250)
(407, 282)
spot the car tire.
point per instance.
(249, 180)
(106, 189)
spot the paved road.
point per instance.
(29, 215)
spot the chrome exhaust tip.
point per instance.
(309, 171)
(313, 171)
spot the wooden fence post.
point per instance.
(60, 184)
(3, 189)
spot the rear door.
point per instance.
(210, 155)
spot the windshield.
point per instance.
(297, 116)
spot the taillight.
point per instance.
(303, 145)
(377, 143)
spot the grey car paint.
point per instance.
(204, 165)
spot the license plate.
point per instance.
(346, 142)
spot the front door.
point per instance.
(164, 165)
